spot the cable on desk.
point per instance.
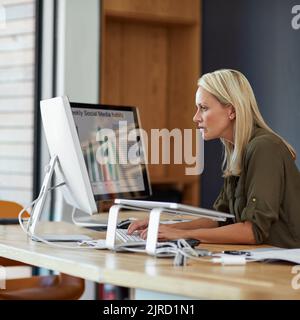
(27, 230)
(181, 251)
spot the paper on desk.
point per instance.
(291, 255)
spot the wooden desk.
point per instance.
(196, 280)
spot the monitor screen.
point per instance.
(112, 148)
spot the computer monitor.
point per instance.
(111, 143)
(62, 140)
(83, 165)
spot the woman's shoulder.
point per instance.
(264, 140)
(261, 135)
(267, 145)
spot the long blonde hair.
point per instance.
(231, 87)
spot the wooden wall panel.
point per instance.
(136, 73)
(183, 83)
(172, 11)
(151, 59)
(112, 65)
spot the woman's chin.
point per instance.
(207, 137)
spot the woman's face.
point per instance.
(214, 118)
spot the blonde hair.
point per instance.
(231, 87)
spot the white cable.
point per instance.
(23, 211)
(31, 205)
(187, 251)
(73, 216)
(58, 185)
(27, 230)
(92, 244)
(230, 260)
(182, 249)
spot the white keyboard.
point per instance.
(124, 237)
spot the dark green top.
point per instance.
(267, 193)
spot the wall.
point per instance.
(82, 66)
(17, 48)
(257, 38)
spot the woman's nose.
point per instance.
(197, 117)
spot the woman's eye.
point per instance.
(203, 108)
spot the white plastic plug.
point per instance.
(230, 260)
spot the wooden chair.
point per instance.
(52, 287)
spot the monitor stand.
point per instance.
(152, 233)
(39, 205)
(88, 222)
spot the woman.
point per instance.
(261, 181)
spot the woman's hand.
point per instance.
(166, 233)
(138, 225)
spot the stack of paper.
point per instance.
(291, 255)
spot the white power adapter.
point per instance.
(230, 260)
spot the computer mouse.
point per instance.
(124, 224)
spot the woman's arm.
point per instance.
(195, 224)
(241, 233)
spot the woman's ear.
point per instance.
(231, 112)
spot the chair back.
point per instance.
(10, 209)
